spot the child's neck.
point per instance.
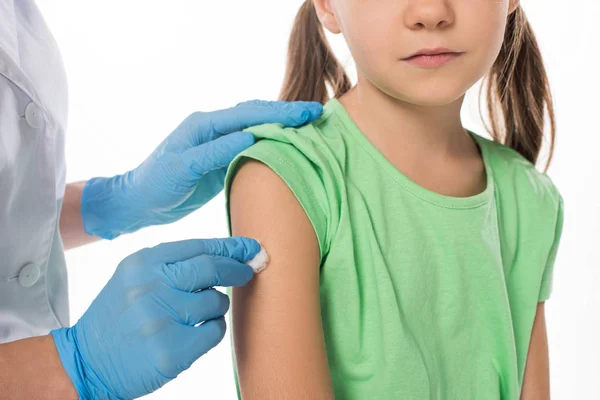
(432, 128)
(428, 144)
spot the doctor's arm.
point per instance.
(71, 222)
(277, 330)
(31, 369)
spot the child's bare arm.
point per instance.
(277, 330)
(536, 382)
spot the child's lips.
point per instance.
(432, 60)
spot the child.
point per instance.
(410, 258)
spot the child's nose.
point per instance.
(428, 14)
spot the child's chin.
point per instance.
(432, 98)
(426, 92)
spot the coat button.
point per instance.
(29, 275)
(33, 116)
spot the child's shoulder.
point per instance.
(306, 138)
(276, 136)
(305, 158)
(513, 172)
(316, 145)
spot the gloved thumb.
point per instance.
(217, 153)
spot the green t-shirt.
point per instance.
(423, 296)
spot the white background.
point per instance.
(136, 68)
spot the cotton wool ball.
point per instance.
(259, 262)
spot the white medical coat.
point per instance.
(33, 120)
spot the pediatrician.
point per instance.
(143, 328)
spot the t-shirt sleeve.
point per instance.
(546, 287)
(293, 161)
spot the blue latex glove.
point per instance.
(139, 333)
(185, 171)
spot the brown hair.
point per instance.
(517, 85)
(311, 64)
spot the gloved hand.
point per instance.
(186, 170)
(140, 333)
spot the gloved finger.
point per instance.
(188, 343)
(199, 340)
(238, 248)
(194, 308)
(208, 126)
(217, 153)
(206, 271)
(257, 112)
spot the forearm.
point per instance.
(71, 222)
(31, 369)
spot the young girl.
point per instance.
(410, 258)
